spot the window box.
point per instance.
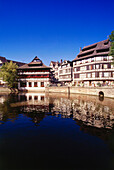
(42, 84)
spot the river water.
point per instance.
(56, 131)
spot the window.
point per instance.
(35, 84)
(36, 60)
(93, 67)
(93, 75)
(42, 98)
(76, 75)
(82, 68)
(89, 75)
(35, 97)
(30, 84)
(86, 61)
(22, 84)
(82, 76)
(30, 97)
(107, 74)
(105, 58)
(97, 66)
(83, 61)
(97, 74)
(42, 84)
(105, 66)
(92, 59)
(109, 65)
(68, 70)
(88, 67)
(78, 69)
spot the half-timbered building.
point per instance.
(33, 76)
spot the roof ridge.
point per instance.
(95, 43)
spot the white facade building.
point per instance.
(65, 72)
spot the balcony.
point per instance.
(93, 62)
(94, 78)
(22, 73)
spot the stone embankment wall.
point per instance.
(4, 90)
(108, 92)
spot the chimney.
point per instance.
(61, 61)
(80, 49)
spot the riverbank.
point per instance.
(95, 91)
(106, 91)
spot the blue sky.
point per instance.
(52, 29)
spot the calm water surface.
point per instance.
(54, 131)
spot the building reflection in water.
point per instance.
(88, 109)
(93, 114)
(33, 105)
(90, 112)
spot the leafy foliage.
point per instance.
(111, 38)
(9, 74)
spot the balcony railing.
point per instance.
(20, 73)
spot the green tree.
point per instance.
(9, 74)
(111, 38)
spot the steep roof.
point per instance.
(3, 59)
(55, 62)
(34, 64)
(97, 49)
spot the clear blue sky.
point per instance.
(52, 29)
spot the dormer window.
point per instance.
(105, 43)
(36, 60)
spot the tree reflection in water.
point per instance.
(6, 111)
